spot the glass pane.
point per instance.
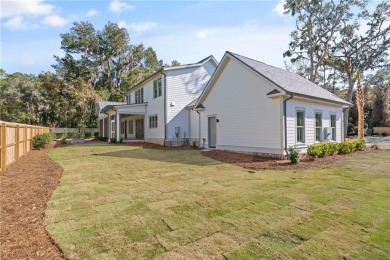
(318, 134)
(318, 120)
(300, 120)
(334, 134)
(333, 121)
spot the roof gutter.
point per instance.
(285, 121)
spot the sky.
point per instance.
(186, 31)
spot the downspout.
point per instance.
(197, 111)
(165, 106)
(285, 122)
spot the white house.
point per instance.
(155, 110)
(252, 107)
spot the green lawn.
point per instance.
(121, 202)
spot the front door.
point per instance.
(139, 129)
(212, 132)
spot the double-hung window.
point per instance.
(318, 127)
(153, 121)
(128, 98)
(157, 88)
(333, 126)
(300, 127)
(139, 96)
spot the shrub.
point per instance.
(96, 134)
(42, 140)
(80, 135)
(88, 135)
(346, 147)
(314, 150)
(293, 154)
(70, 135)
(113, 140)
(360, 145)
(63, 140)
(384, 134)
(375, 146)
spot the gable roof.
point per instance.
(169, 68)
(289, 82)
(102, 105)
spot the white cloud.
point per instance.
(203, 34)
(137, 27)
(23, 7)
(117, 6)
(16, 23)
(92, 12)
(54, 20)
(279, 9)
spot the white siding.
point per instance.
(248, 120)
(310, 108)
(155, 106)
(184, 86)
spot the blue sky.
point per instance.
(187, 31)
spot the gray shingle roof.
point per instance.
(106, 105)
(290, 82)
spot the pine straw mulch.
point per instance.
(25, 190)
(256, 162)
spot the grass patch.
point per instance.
(123, 202)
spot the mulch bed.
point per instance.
(25, 190)
(265, 163)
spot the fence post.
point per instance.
(25, 140)
(17, 141)
(3, 148)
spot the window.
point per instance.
(157, 88)
(300, 127)
(153, 121)
(123, 127)
(318, 127)
(139, 96)
(128, 98)
(131, 127)
(333, 126)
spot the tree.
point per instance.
(380, 83)
(340, 42)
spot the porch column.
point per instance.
(109, 129)
(117, 127)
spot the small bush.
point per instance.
(384, 134)
(375, 146)
(88, 135)
(314, 150)
(80, 135)
(70, 135)
(194, 145)
(293, 154)
(345, 147)
(42, 140)
(96, 134)
(63, 140)
(360, 145)
(113, 140)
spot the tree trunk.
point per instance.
(360, 107)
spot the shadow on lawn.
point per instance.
(189, 157)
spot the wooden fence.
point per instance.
(380, 130)
(15, 141)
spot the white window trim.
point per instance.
(296, 126)
(158, 88)
(334, 138)
(155, 124)
(320, 127)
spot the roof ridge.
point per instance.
(235, 54)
